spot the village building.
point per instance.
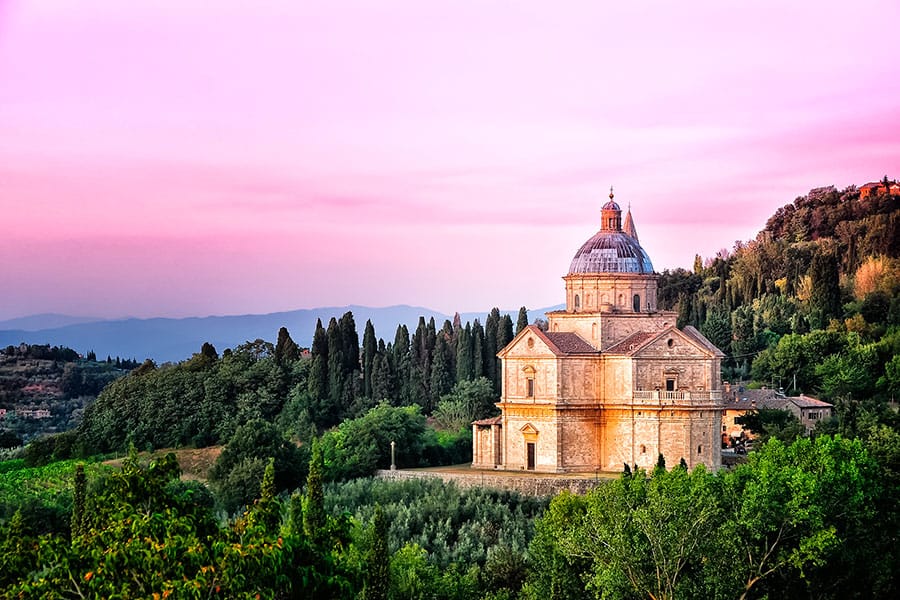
(879, 187)
(612, 381)
(739, 401)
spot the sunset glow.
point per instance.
(195, 158)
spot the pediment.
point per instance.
(529, 429)
(531, 342)
(673, 342)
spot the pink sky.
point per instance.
(195, 158)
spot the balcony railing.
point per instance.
(662, 397)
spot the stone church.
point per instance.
(612, 380)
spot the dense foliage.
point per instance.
(811, 305)
(139, 532)
(813, 519)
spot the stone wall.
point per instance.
(530, 485)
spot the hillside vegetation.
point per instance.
(810, 305)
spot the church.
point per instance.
(612, 380)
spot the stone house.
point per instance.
(612, 380)
(807, 409)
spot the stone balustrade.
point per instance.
(663, 397)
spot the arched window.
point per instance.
(577, 302)
(636, 303)
(594, 331)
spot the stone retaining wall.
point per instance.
(533, 485)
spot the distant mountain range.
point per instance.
(170, 340)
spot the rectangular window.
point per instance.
(529, 388)
(670, 385)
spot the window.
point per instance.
(529, 387)
(813, 415)
(577, 302)
(594, 331)
(636, 303)
(643, 449)
(670, 385)
(700, 449)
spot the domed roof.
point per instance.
(611, 205)
(611, 252)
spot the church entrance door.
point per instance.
(530, 452)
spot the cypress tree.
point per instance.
(464, 370)
(504, 332)
(79, 497)
(450, 336)
(208, 351)
(381, 379)
(420, 364)
(335, 374)
(489, 356)
(478, 350)
(402, 366)
(317, 380)
(349, 343)
(504, 337)
(441, 373)
(320, 341)
(314, 517)
(825, 296)
(522, 321)
(457, 323)
(268, 509)
(378, 560)
(370, 349)
(286, 350)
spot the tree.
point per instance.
(522, 321)
(825, 294)
(646, 536)
(286, 350)
(247, 454)
(8, 439)
(717, 327)
(378, 560)
(798, 516)
(478, 351)
(360, 446)
(370, 350)
(464, 365)
(766, 423)
(206, 358)
(442, 377)
(314, 516)
(317, 382)
(79, 493)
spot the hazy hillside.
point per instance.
(166, 340)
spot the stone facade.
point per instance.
(612, 380)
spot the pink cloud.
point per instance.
(451, 154)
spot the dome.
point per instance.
(611, 205)
(611, 252)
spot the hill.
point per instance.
(171, 340)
